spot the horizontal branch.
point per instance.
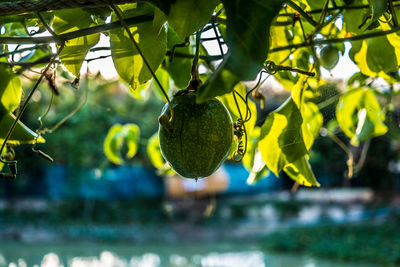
(32, 6)
(75, 34)
(336, 40)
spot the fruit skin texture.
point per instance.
(201, 138)
(329, 57)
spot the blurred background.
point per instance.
(83, 210)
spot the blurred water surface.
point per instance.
(85, 254)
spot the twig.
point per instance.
(393, 12)
(75, 34)
(50, 30)
(350, 156)
(301, 12)
(336, 40)
(25, 104)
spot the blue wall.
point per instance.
(134, 182)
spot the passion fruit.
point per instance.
(198, 139)
(329, 57)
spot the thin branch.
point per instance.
(350, 160)
(336, 40)
(25, 104)
(12, 7)
(17, 51)
(393, 12)
(49, 29)
(301, 12)
(75, 34)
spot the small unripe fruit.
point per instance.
(329, 57)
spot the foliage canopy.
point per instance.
(287, 39)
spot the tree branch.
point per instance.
(301, 12)
(75, 34)
(336, 40)
(33, 6)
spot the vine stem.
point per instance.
(75, 34)
(119, 14)
(195, 79)
(301, 12)
(25, 104)
(336, 40)
(350, 156)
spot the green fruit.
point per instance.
(198, 139)
(329, 57)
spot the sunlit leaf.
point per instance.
(113, 144)
(370, 58)
(378, 8)
(360, 116)
(300, 171)
(188, 16)
(10, 90)
(247, 36)
(75, 50)
(164, 78)
(312, 123)
(281, 137)
(179, 68)
(154, 152)
(21, 134)
(151, 38)
(118, 136)
(2, 154)
(132, 134)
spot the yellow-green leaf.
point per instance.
(118, 136)
(360, 116)
(21, 134)
(10, 89)
(154, 152)
(151, 39)
(281, 137)
(75, 50)
(301, 172)
(131, 132)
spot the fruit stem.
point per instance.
(195, 78)
(119, 14)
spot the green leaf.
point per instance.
(113, 144)
(154, 152)
(131, 132)
(301, 172)
(371, 60)
(118, 136)
(312, 123)
(281, 137)
(10, 90)
(179, 68)
(75, 50)
(2, 154)
(360, 116)
(151, 38)
(21, 134)
(247, 36)
(378, 8)
(164, 78)
(188, 16)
